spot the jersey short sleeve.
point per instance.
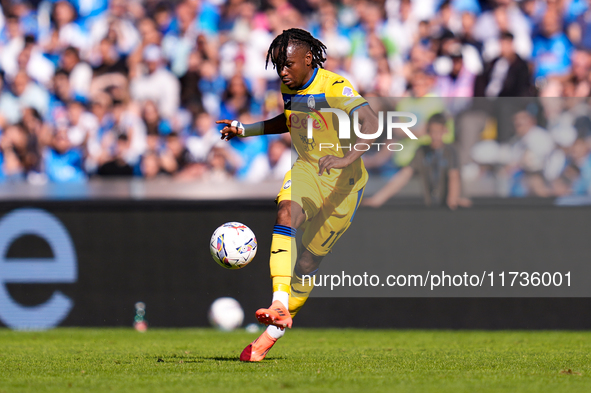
(340, 94)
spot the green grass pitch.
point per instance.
(306, 360)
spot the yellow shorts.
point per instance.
(328, 213)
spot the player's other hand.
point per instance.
(326, 163)
(454, 203)
(371, 202)
(229, 132)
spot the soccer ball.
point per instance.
(226, 314)
(233, 245)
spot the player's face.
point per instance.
(436, 132)
(297, 68)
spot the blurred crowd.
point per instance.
(134, 87)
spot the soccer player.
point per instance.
(322, 191)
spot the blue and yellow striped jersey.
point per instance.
(324, 90)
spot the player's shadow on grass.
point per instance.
(235, 358)
(203, 359)
(198, 359)
(222, 358)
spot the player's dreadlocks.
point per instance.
(298, 37)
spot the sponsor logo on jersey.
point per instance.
(287, 184)
(309, 143)
(348, 92)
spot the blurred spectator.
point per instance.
(19, 154)
(369, 41)
(579, 32)
(79, 72)
(459, 82)
(211, 85)
(551, 48)
(26, 15)
(576, 176)
(180, 40)
(116, 26)
(530, 149)
(24, 54)
(127, 122)
(118, 166)
(108, 60)
(507, 75)
(175, 157)
(466, 34)
(158, 85)
(437, 164)
(60, 94)
(237, 99)
(273, 165)
(63, 162)
(150, 166)
(154, 124)
(163, 17)
(505, 16)
(579, 81)
(204, 137)
(244, 151)
(12, 37)
(330, 33)
(190, 92)
(404, 29)
(64, 32)
(23, 93)
(219, 164)
(82, 125)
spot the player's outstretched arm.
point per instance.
(369, 124)
(276, 125)
(395, 184)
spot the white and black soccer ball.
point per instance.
(233, 245)
(226, 314)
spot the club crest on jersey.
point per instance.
(311, 102)
(309, 143)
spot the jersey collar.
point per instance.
(310, 80)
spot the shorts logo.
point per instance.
(287, 184)
(311, 102)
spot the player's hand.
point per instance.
(371, 202)
(229, 132)
(452, 203)
(464, 202)
(329, 162)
